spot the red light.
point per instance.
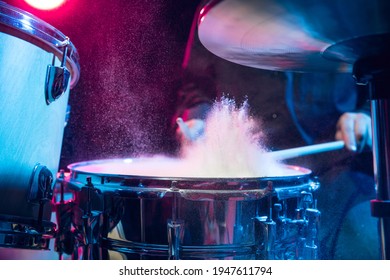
(45, 4)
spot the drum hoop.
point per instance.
(162, 250)
(306, 173)
(29, 26)
(135, 186)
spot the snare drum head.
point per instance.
(165, 167)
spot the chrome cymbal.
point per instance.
(296, 35)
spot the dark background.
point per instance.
(130, 56)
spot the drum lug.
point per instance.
(281, 221)
(289, 238)
(41, 183)
(57, 77)
(80, 226)
(90, 230)
(65, 239)
(305, 201)
(310, 248)
(266, 228)
(41, 191)
(175, 238)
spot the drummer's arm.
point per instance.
(354, 128)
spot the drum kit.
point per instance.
(124, 209)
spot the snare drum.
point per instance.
(39, 65)
(149, 212)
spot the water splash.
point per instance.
(231, 145)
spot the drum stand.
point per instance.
(31, 233)
(374, 72)
(78, 233)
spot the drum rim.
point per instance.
(29, 25)
(187, 251)
(73, 170)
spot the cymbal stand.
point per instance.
(374, 72)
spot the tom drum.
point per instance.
(39, 66)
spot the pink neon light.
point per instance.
(45, 4)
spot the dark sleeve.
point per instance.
(195, 96)
(363, 102)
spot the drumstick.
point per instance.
(184, 129)
(308, 150)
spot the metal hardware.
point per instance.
(41, 183)
(57, 77)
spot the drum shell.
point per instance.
(209, 229)
(217, 218)
(31, 131)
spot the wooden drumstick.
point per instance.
(308, 150)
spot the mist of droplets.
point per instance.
(121, 107)
(231, 145)
(128, 56)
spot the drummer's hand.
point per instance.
(190, 130)
(355, 130)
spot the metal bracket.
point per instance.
(57, 77)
